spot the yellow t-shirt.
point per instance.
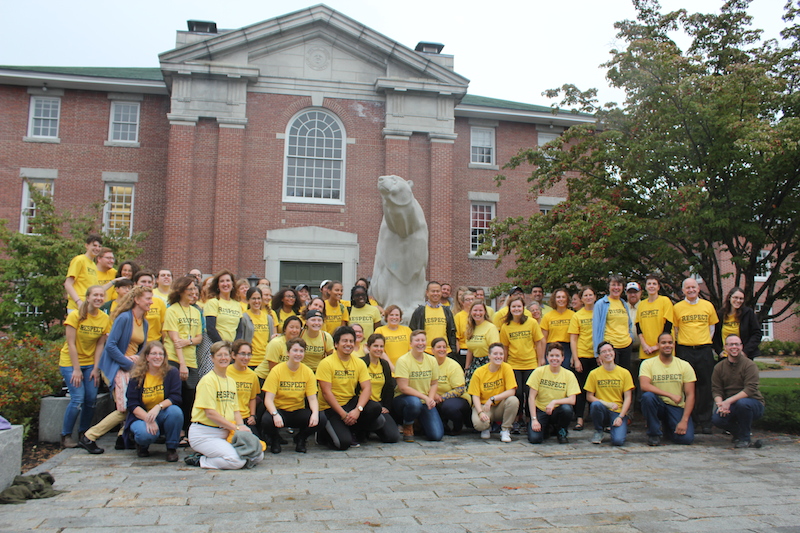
(280, 318)
(435, 324)
(137, 338)
(317, 348)
(291, 388)
(378, 380)
(420, 374)
(669, 378)
(730, 326)
(228, 314)
(261, 336)
(343, 377)
(609, 386)
(693, 322)
(499, 317)
(276, 352)
(651, 317)
(398, 341)
(617, 331)
(105, 277)
(218, 393)
(335, 316)
(187, 323)
(551, 386)
(484, 335)
(84, 270)
(87, 333)
(451, 376)
(557, 325)
(163, 296)
(367, 316)
(520, 340)
(155, 319)
(485, 383)
(247, 386)
(461, 319)
(581, 325)
(152, 391)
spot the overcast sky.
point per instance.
(510, 50)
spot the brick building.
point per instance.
(259, 149)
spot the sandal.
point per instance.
(578, 427)
(184, 443)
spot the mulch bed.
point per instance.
(35, 453)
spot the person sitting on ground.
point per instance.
(668, 394)
(452, 399)
(609, 389)
(276, 349)
(383, 385)
(734, 385)
(553, 390)
(154, 403)
(290, 398)
(247, 385)
(417, 377)
(493, 389)
(319, 343)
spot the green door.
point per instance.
(294, 273)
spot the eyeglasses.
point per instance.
(733, 344)
(244, 353)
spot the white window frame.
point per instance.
(474, 237)
(477, 159)
(547, 203)
(107, 207)
(112, 122)
(32, 118)
(336, 157)
(763, 275)
(767, 329)
(28, 209)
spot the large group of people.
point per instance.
(224, 367)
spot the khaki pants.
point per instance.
(113, 419)
(505, 412)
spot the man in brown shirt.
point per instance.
(734, 385)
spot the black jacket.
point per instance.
(418, 322)
(749, 331)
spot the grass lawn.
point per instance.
(782, 396)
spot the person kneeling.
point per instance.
(553, 390)
(608, 388)
(417, 377)
(154, 403)
(493, 388)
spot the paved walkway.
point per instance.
(460, 484)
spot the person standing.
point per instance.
(633, 293)
(435, 318)
(738, 319)
(611, 322)
(163, 284)
(336, 314)
(537, 295)
(695, 322)
(82, 272)
(106, 273)
(734, 384)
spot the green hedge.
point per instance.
(782, 412)
(28, 371)
(779, 348)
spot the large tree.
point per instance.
(700, 164)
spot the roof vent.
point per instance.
(202, 26)
(429, 48)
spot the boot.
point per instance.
(68, 442)
(408, 432)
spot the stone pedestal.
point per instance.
(51, 415)
(10, 455)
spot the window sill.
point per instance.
(122, 143)
(48, 140)
(492, 257)
(484, 166)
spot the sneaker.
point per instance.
(89, 445)
(597, 438)
(300, 446)
(562, 436)
(654, 440)
(515, 428)
(68, 442)
(172, 455)
(505, 435)
(748, 444)
(486, 434)
(192, 460)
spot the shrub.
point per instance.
(782, 413)
(28, 371)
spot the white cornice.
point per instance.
(515, 115)
(86, 83)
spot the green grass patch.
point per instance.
(768, 366)
(792, 360)
(782, 412)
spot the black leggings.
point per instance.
(588, 364)
(339, 435)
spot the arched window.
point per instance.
(315, 158)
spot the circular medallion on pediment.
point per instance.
(318, 58)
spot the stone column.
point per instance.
(178, 207)
(440, 225)
(228, 197)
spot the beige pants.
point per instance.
(107, 424)
(505, 412)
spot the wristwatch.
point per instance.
(360, 409)
(492, 398)
(273, 414)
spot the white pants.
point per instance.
(217, 452)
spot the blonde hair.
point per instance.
(83, 312)
(129, 300)
(471, 321)
(140, 368)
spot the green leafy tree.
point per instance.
(33, 267)
(699, 165)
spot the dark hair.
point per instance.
(296, 340)
(290, 320)
(392, 308)
(213, 289)
(250, 292)
(512, 299)
(343, 330)
(554, 346)
(437, 340)
(603, 343)
(321, 299)
(583, 290)
(654, 277)
(428, 286)
(277, 300)
(365, 280)
(94, 237)
(178, 286)
(124, 282)
(237, 344)
(665, 333)
(142, 273)
(134, 268)
(375, 337)
(358, 289)
(495, 345)
(727, 308)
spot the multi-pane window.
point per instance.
(44, 115)
(124, 126)
(315, 159)
(766, 326)
(764, 269)
(118, 210)
(44, 187)
(482, 146)
(481, 215)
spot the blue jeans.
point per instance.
(169, 421)
(561, 418)
(81, 400)
(740, 420)
(656, 411)
(603, 417)
(410, 408)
